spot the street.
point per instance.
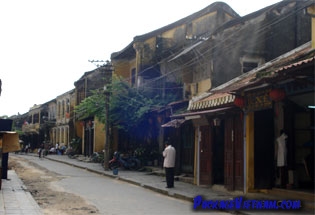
(100, 195)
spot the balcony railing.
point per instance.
(29, 128)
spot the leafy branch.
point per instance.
(128, 106)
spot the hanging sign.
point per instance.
(258, 100)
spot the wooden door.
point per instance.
(205, 156)
(234, 166)
(187, 149)
(229, 155)
(238, 152)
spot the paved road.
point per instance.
(112, 196)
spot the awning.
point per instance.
(174, 123)
(214, 100)
(200, 112)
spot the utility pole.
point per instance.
(106, 68)
(107, 136)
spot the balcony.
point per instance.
(30, 128)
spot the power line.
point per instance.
(228, 49)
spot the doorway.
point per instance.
(89, 141)
(263, 149)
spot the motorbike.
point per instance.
(127, 162)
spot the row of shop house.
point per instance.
(215, 139)
(220, 68)
(236, 125)
(55, 121)
(46, 124)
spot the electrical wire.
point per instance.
(261, 30)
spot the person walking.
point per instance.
(169, 154)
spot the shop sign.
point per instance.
(258, 100)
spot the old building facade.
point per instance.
(61, 133)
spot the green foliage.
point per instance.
(127, 105)
(76, 145)
(92, 106)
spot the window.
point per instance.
(248, 66)
(250, 62)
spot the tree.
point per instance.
(128, 106)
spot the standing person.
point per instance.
(40, 150)
(57, 148)
(282, 156)
(169, 154)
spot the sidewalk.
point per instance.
(15, 199)
(155, 181)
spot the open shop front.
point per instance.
(280, 133)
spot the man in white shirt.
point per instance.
(169, 155)
(282, 156)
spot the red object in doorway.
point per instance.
(277, 94)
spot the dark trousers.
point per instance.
(169, 173)
(283, 176)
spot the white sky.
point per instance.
(46, 45)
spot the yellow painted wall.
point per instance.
(250, 151)
(311, 10)
(99, 136)
(204, 85)
(151, 42)
(204, 23)
(78, 129)
(172, 32)
(124, 68)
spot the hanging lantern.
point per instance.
(277, 94)
(239, 101)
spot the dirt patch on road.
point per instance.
(40, 183)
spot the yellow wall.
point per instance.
(123, 68)
(79, 129)
(311, 10)
(99, 136)
(250, 151)
(204, 85)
